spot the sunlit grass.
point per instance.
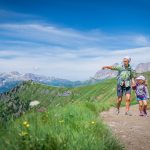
(75, 126)
(70, 123)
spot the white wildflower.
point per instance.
(34, 103)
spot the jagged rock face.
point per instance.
(143, 67)
(106, 74)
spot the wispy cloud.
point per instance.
(13, 16)
(49, 35)
(142, 40)
(8, 13)
(65, 52)
(52, 35)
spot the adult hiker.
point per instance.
(125, 80)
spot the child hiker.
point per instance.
(142, 94)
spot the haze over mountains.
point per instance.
(143, 67)
(9, 80)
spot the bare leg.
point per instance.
(128, 102)
(141, 107)
(145, 107)
(119, 102)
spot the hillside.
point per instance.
(61, 121)
(67, 118)
(29, 91)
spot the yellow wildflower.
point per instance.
(61, 121)
(92, 122)
(23, 133)
(26, 124)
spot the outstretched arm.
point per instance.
(107, 67)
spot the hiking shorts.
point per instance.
(121, 90)
(141, 98)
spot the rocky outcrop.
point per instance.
(143, 67)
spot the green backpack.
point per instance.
(124, 76)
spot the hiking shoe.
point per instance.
(145, 115)
(144, 112)
(128, 113)
(141, 114)
(117, 112)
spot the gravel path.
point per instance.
(133, 131)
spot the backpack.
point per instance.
(124, 76)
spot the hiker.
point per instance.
(125, 80)
(142, 94)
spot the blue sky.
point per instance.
(72, 39)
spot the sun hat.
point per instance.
(127, 57)
(140, 78)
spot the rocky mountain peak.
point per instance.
(143, 67)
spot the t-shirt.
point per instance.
(125, 74)
(141, 91)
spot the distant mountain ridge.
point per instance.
(9, 80)
(105, 74)
(143, 67)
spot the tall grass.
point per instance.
(67, 123)
(75, 126)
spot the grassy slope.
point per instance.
(70, 122)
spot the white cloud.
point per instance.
(63, 67)
(47, 34)
(57, 36)
(10, 52)
(65, 53)
(142, 40)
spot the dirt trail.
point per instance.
(133, 131)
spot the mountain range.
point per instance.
(9, 80)
(143, 67)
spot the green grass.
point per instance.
(68, 123)
(75, 126)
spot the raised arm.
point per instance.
(107, 67)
